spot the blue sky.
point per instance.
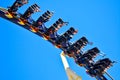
(26, 56)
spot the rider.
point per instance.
(17, 4)
(39, 24)
(27, 15)
(53, 34)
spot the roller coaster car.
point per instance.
(54, 28)
(12, 11)
(92, 53)
(87, 57)
(100, 67)
(65, 38)
(45, 17)
(38, 25)
(105, 62)
(76, 47)
(74, 52)
(82, 61)
(26, 17)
